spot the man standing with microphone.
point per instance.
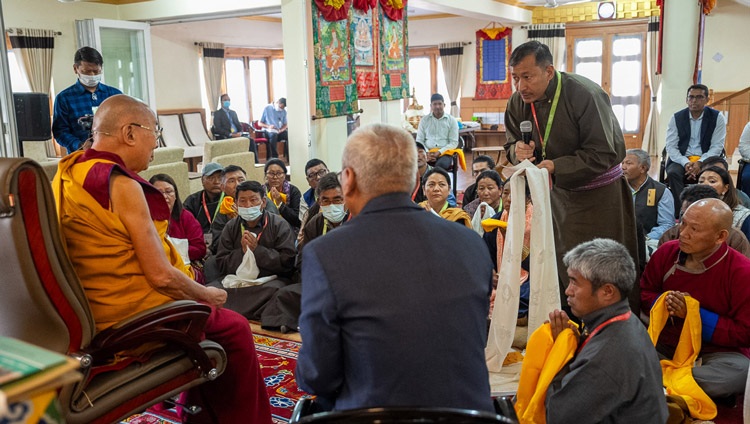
(566, 125)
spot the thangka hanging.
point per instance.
(364, 26)
(394, 53)
(493, 52)
(335, 89)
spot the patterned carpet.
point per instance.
(277, 358)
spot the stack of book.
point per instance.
(30, 377)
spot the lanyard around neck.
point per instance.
(218, 206)
(551, 118)
(600, 327)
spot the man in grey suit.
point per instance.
(227, 124)
(395, 302)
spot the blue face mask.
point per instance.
(333, 213)
(250, 214)
(226, 104)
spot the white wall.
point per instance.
(726, 34)
(49, 14)
(176, 72)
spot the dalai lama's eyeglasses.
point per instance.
(157, 132)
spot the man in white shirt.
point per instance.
(438, 130)
(693, 134)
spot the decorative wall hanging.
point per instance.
(493, 52)
(394, 52)
(365, 26)
(336, 90)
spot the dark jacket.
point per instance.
(222, 125)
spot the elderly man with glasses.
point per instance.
(114, 225)
(693, 134)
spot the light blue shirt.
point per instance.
(694, 145)
(438, 133)
(665, 212)
(274, 117)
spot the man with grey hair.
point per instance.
(395, 301)
(615, 374)
(654, 203)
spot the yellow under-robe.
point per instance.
(544, 359)
(98, 242)
(677, 373)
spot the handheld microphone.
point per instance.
(526, 131)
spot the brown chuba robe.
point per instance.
(584, 142)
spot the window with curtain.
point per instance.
(424, 62)
(255, 78)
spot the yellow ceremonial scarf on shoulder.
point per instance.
(451, 214)
(544, 359)
(97, 241)
(677, 373)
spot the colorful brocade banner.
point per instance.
(394, 56)
(336, 88)
(365, 26)
(493, 52)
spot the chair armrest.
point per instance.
(177, 324)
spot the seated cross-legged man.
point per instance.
(614, 375)
(332, 214)
(269, 239)
(114, 224)
(231, 177)
(701, 265)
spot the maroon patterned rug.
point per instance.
(277, 358)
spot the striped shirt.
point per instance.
(438, 133)
(71, 104)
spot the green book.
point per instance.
(20, 359)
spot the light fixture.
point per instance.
(607, 10)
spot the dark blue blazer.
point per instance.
(222, 124)
(394, 311)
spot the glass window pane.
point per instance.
(619, 111)
(627, 87)
(590, 70)
(258, 87)
(419, 80)
(626, 46)
(123, 51)
(626, 78)
(588, 47)
(18, 80)
(632, 118)
(279, 78)
(236, 88)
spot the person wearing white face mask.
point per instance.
(79, 100)
(332, 212)
(270, 240)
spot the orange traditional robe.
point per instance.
(98, 243)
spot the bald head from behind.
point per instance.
(126, 126)
(378, 159)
